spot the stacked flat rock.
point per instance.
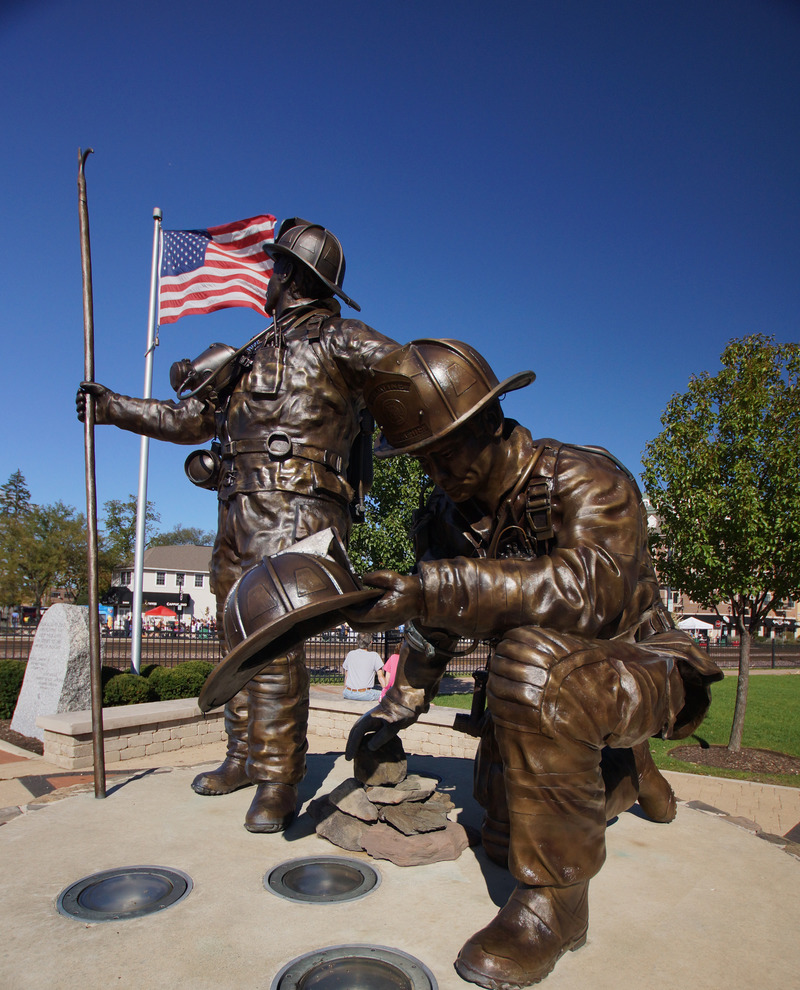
(389, 813)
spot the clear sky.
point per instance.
(605, 191)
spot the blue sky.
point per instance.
(605, 191)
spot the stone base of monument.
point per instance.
(390, 814)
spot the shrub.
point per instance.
(106, 673)
(127, 689)
(155, 674)
(184, 681)
(12, 673)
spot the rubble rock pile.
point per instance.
(390, 814)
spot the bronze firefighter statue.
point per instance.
(541, 548)
(292, 443)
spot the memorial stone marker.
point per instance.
(57, 676)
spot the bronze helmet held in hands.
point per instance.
(315, 248)
(272, 609)
(422, 392)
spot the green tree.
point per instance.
(47, 549)
(180, 535)
(383, 540)
(723, 479)
(15, 498)
(119, 528)
(15, 506)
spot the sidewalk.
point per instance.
(699, 903)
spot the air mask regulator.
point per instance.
(204, 378)
(210, 372)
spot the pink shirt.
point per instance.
(390, 669)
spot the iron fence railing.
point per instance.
(325, 654)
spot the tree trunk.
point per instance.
(735, 741)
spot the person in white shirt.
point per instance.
(360, 667)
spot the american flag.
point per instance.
(205, 270)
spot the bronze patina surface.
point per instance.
(539, 547)
(289, 425)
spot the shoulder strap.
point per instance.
(506, 516)
(538, 502)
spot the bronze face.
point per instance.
(463, 464)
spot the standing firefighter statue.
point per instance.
(290, 432)
(541, 548)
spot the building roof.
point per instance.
(185, 557)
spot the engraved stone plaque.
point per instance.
(57, 677)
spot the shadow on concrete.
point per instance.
(129, 780)
(318, 768)
(456, 780)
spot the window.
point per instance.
(179, 579)
(198, 580)
(161, 577)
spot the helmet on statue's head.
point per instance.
(316, 249)
(422, 392)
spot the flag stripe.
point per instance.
(206, 270)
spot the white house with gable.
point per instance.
(175, 576)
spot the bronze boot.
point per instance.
(272, 809)
(278, 722)
(231, 774)
(656, 797)
(527, 938)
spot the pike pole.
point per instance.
(98, 751)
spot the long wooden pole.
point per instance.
(91, 488)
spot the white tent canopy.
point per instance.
(692, 623)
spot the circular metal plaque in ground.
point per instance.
(128, 892)
(322, 879)
(355, 967)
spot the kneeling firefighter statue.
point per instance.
(539, 547)
(290, 456)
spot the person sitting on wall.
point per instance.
(360, 667)
(390, 672)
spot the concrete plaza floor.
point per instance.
(704, 902)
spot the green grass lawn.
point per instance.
(772, 722)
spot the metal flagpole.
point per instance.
(144, 448)
(95, 673)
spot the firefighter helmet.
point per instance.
(271, 609)
(425, 390)
(317, 249)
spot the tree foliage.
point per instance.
(41, 546)
(382, 540)
(181, 535)
(723, 479)
(44, 546)
(119, 536)
(15, 498)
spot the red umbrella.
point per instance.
(163, 612)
